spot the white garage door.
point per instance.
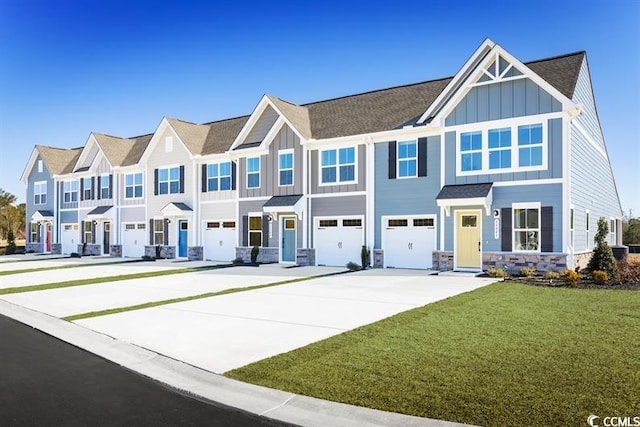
(70, 238)
(220, 240)
(338, 240)
(134, 238)
(408, 242)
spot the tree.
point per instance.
(631, 231)
(602, 258)
(12, 218)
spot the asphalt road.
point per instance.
(45, 381)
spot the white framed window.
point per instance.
(104, 186)
(87, 188)
(158, 232)
(586, 227)
(40, 192)
(255, 230)
(169, 180)
(526, 227)
(285, 168)
(407, 159)
(87, 232)
(133, 186)
(219, 176)
(572, 226)
(253, 172)
(40, 166)
(338, 166)
(612, 230)
(35, 232)
(70, 191)
(502, 146)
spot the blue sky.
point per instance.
(68, 68)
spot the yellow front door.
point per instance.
(468, 250)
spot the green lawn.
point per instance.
(506, 354)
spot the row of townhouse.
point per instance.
(503, 164)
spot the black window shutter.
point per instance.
(245, 230)
(155, 182)
(546, 231)
(507, 239)
(151, 242)
(166, 232)
(99, 192)
(81, 189)
(111, 186)
(422, 156)
(93, 187)
(233, 175)
(82, 238)
(204, 178)
(93, 232)
(181, 179)
(265, 231)
(392, 160)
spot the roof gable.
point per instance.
(59, 161)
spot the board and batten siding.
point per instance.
(337, 206)
(285, 139)
(89, 158)
(33, 177)
(160, 158)
(218, 211)
(548, 195)
(263, 125)
(360, 173)
(272, 228)
(502, 100)
(69, 217)
(102, 168)
(411, 196)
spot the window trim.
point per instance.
(500, 148)
(88, 240)
(34, 231)
(169, 180)
(586, 227)
(87, 188)
(531, 205)
(134, 185)
(337, 166)
(249, 230)
(292, 169)
(572, 225)
(156, 232)
(69, 191)
(612, 231)
(35, 194)
(101, 188)
(406, 159)
(513, 124)
(219, 176)
(258, 172)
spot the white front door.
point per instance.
(220, 240)
(338, 240)
(134, 236)
(408, 241)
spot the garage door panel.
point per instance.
(220, 240)
(408, 242)
(338, 240)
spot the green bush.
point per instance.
(365, 255)
(11, 246)
(551, 275)
(238, 261)
(571, 278)
(600, 277)
(628, 272)
(352, 266)
(602, 258)
(497, 272)
(254, 254)
(528, 271)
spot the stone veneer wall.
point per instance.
(581, 260)
(34, 247)
(442, 261)
(167, 252)
(115, 251)
(378, 258)
(56, 248)
(265, 255)
(90, 249)
(306, 256)
(195, 253)
(511, 261)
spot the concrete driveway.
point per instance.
(225, 332)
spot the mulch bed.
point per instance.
(583, 284)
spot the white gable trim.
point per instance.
(30, 164)
(155, 140)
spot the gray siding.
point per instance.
(583, 94)
(502, 101)
(503, 197)
(67, 217)
(218, 211)
(91, 155)
(405, 196)
(554, 160)
(134, 214)
(35, 176)
(262, 126)
(337, 206)
(361, 174)
(285, 139)
(246, 207)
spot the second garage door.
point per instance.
(134, 238)
(408, 242)
(220, 240)
(338, 240)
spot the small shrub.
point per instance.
(497, 273)
(352, 266)
(254, 254)
(600, 277)
(238, 261)
(628, 272)
(602, 258)
(551, 275)
(571, 278)
(528, 271)
(148, 258)
(11, 246)
(365, 255)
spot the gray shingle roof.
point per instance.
(222, 134)
(44, 213)
(560, 72)
(283, 200)
(59, 161)
(99, 210)
(122, 151)
(464, 191)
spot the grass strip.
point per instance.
(62, 267)
(189, 298)
(506, 354)
(81, 282)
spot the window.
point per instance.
(255, 231)
(228, 224)
(407, 159)
(285, 167)
(338, 165)
(571, 222)
(352, 223)
(87, 188)
(158, 232)
(142, 226)
(423, 222)
(129, 227)
(40, 192)
(70, 191)
(104, 187)
(612, 230)
(471, 151)
(133, 186)
(587, 228)
(328, 223)
(169, 180)
(35, 232)
(530, 143)
(526, 229)
(500, 148)
(87, 232)
(253, 172)
(219, 176)
(398, 223)
(469, 221)
(213, 224)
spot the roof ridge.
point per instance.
(550, 58)
(226, 120)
